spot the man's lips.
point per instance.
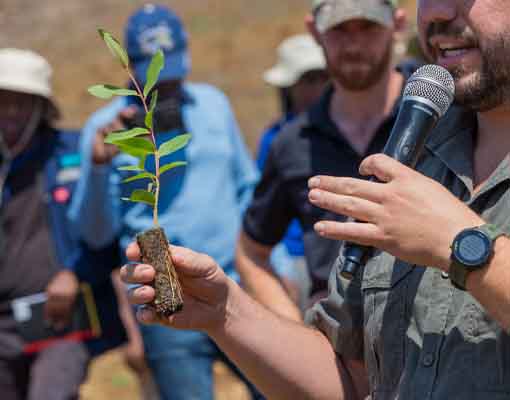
(448, 52)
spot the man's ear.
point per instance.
(312, 28)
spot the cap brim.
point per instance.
(282, 77)
(177, 66)
(336, 20)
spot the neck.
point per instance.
(493, 143)
(358, 114)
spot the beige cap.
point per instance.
(296, 56)
(330, 13)
(25, 71)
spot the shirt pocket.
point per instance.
(385, 301)
(489, 346)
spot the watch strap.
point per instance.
(459, 272)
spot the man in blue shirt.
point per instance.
(200, 204)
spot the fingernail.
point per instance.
(315, 195)
(314, 182)
(320, 227)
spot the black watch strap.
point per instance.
(459, 272)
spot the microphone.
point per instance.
(428, 94)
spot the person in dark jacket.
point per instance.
(40, 259)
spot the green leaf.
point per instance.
(116, 137)
(143, 175)
(115, 47)
(108, 91)
(170, 166)
(154, 100)
(136, 147)
(134, 168)
(173, 145)
(141, 196)
(155, 67)
(148, 119)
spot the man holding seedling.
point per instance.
(200, 204)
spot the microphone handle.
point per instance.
(414, 123)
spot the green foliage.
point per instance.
(172, 145)
(115, 47)
(129, 141)
(141, 196)
(170, 166)
(143, 175)
(155, 67)
(108, 91)
(119, 137)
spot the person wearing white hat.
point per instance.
(300, 77)
(39, 256)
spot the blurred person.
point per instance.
(428, 317)
(300, 78)
(39, 167)
(352, 119)
(200, 204)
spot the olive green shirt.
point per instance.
(420, 337)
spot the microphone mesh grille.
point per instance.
(433, 83)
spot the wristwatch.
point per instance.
(471, 250)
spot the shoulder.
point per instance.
(293, 135)
(202, 93)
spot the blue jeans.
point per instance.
(182, 363)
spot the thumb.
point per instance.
(383, 167)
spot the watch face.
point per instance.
(473, 248)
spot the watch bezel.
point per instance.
(484, 258)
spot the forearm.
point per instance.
(92, 210)
(284, 359)
(260, 281)
(490, 285)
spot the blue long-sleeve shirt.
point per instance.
(200, 204)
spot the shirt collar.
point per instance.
(453, 142)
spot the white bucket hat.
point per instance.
(26, 72)
(296, 56)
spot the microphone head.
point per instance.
(432, 85)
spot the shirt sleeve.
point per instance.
(95, 211)
(340, 315)
(270, 212)
(244, 169)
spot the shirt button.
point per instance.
(428, 359)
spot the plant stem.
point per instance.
(153, 138)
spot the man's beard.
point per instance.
(490, 87)
(361, 80)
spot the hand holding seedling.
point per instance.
(140, 142)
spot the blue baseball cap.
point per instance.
(155, 27)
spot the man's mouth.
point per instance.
(453, 50)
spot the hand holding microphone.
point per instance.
(403, 212)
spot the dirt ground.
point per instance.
(232, 43)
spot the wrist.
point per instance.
(501, 252)
(227, 311)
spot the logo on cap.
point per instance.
(153, 39)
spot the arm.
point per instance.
(490, 285)
(95, 209)
(282, 358)
(260, 280)
(415, 228)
